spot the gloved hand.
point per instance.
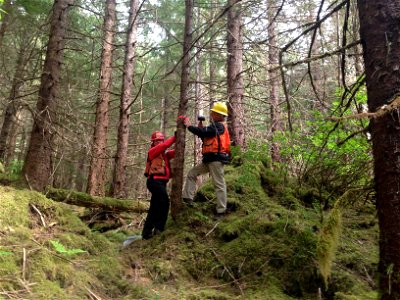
(185, 120)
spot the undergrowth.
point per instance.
(277, 243)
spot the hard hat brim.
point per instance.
(219, 112)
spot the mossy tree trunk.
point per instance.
(380, 35)
(104, 203)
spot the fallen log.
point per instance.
(105, 203)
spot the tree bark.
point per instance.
(315, 68)
(5, 20)
(9, 114)
(179, 160)
(97, 169)
(105, 203)
(234, 73)
(199, 94)
(12, 139)
(38, 163)
(380, 35)
(355, 29)
(274, 83)
(118, 188)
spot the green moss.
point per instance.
(363, 296)
(47, 289)
(161, 271)
(267, 242)
(9, 270)
(14, 210)
(110, 274)
(270, 286)
(330, 232)
(209, 294)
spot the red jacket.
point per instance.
(158, 158)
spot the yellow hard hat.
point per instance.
(220, 108)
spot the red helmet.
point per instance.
(157, 136)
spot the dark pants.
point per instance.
(159, 206)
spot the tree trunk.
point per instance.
(199, 101)
(12, 139)
(38, 163)
(179, 160)
(274, 83)
(380, 35)
(212, 57)
(97, 170)
(355, 27)
(9, 115)
(169, 64)
(235, 78)
(5, 20)
(118, 188)
(315, 68)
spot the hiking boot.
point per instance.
(219, 216)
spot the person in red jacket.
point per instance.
(158, 172)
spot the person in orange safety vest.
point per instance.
(158, 172)
(216, 153)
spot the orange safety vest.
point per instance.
(157, 166)
(220, 143)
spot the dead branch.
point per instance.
(384, 109)
(40, 214)
(105, 203)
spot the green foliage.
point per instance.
(35, 6)
(61, 249)
(5, 253)
(2, 11)
(15, 166)
(329, 155)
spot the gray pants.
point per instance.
(216, 170)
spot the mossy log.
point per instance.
(105, 203)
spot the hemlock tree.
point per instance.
(234, 73)
(118, 189)
(179, 160)
(99, 158)
(10, 112)
(380, 35)
(274, 81)
(38, 163)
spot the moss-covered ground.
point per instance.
(267, 247)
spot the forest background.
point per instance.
(321, 80)
(85, 83)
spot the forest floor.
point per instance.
(276, 243)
